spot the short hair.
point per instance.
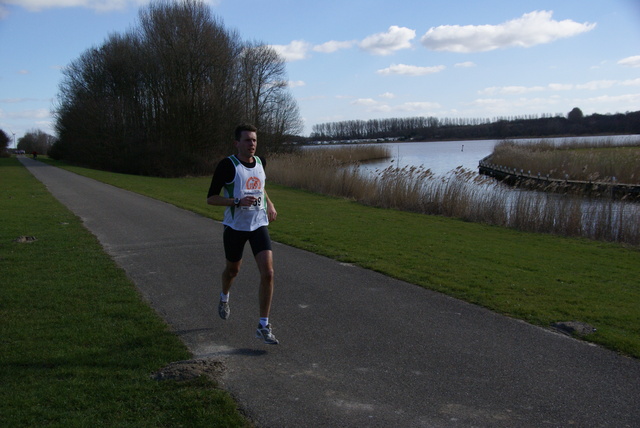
(244, 127)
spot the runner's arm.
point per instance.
(223, 174)
(272, 214)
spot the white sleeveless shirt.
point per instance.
(247, 182)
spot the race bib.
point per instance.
(256, 193)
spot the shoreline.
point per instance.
(435, 140)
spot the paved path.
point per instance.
(357, 349)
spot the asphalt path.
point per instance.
(357, 349)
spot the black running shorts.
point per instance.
(234, 241)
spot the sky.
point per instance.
(366, 59)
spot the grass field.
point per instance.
(78, 345)
(539, 278)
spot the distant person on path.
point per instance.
(35, 154)
(248, 213)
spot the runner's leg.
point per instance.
(264, 259)
(229, 274)
(234, 242)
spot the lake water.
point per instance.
(442, 157)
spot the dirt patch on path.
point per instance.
(191, 369)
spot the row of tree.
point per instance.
(431, 128)
(33, 141)
(36, 141)
(164, 98)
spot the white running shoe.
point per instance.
(265, 334)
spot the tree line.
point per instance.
(33, 141)
(163, 98)
(432, 128)
(36, 140)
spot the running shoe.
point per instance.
(223, 310)
(265, 334)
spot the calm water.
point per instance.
(442, 157)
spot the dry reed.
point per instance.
(599, 160)
(460, 194)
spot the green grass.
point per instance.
(539, 278)
(77, 343)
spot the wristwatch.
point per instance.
(236, 202)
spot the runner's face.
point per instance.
(247, 145)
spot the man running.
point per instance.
(248, 213)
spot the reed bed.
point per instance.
(599, 160)
(460, 194)
(348, 155)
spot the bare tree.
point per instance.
(284, 120)
(262, 79)
(190, 76)
(164, 98)
(36, 140)
(266, 99)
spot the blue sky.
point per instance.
(357, 59)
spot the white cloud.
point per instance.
(632, 61)
(295, 83)
(511, 90)
(531, 29)
(410, 70)
(524, 105)
(379, 107)
(371, 105)
(417, 106)
(332, 46)
(560, 86)
(394, 39)
(386, 43)
(387, 95)
(518, 90)
(466, 64)
(294, 51)
(631, 82)
(488, 101)
(365, 102)
(630, 99)
(489, 91)
(597, 84)
(501, 106)
(556, 87)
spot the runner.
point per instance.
(248, 213)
